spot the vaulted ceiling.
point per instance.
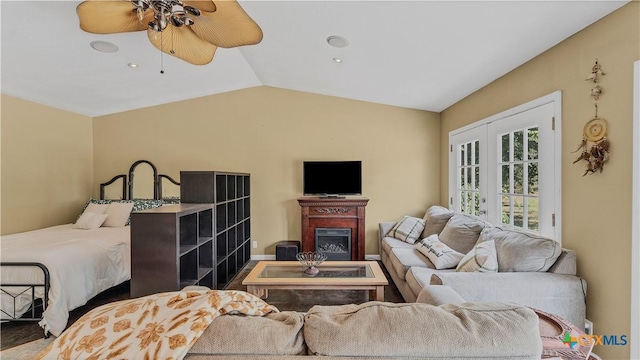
(416, 54)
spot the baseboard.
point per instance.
(273, 257)
(263, 257)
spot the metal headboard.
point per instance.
(127, 182)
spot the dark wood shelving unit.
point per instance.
(172, 247)
(229, 194)
(205, 240)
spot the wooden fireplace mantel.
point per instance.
(334, 213)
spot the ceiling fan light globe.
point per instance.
(162, 22)
(140, 4)
(177, 21)
(162, 6)
(191, 10)
(154, 26)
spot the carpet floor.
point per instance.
(13, 334)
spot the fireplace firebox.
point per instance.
(334, 242)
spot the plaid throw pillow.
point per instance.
(408, 229)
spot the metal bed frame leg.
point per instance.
(31, 287)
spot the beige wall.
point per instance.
(47, 165)
(268, 132)
(596, 209)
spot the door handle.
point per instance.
(482, 212)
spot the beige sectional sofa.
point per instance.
(532, 270)
(377, 330)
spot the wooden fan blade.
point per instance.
(203, 5)
(229, 26)
(183, 43)
(110, 16)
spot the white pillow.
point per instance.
(408, 229)
(482, 258)
(118, 214)
(96, 208)
(442, 256)
(89, 221)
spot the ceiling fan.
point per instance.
(189, 30)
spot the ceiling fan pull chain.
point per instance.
(172, 43)
(161, 57)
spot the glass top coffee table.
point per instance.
(333, 275)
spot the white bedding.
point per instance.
(81, 263)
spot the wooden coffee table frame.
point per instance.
(260, 286)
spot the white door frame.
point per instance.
(635, 220)
(555, 98)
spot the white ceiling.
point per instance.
(416, 54)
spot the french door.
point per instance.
(468, 159)
(503, 170)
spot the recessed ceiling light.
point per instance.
(338, 60)
(104, 46)
(132, 65)
(337, 41)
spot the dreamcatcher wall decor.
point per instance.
(594, 145)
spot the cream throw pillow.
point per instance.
(482, 258)
(96, 208)
(461, 232)
(408, 229)
(89, 221)
(118, 214)
(440, 255)
(436, 219)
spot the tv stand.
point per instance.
(335, 213)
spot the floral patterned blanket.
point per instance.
(159, 326)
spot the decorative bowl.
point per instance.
(310, 260)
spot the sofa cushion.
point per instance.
(482, 258)
(403, 259)
(492, 330)
(389, 243)
(559, 294)
(273, 334)
(418, 277)
(521, 252)
(408, 229)
(462, 232)
(436, 218)
(565, 263)
(439, 295)
(440, 255)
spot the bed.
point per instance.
(48, 272)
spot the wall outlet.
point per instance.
(255, 244)
(588, 327)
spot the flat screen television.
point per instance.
(332, 178)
